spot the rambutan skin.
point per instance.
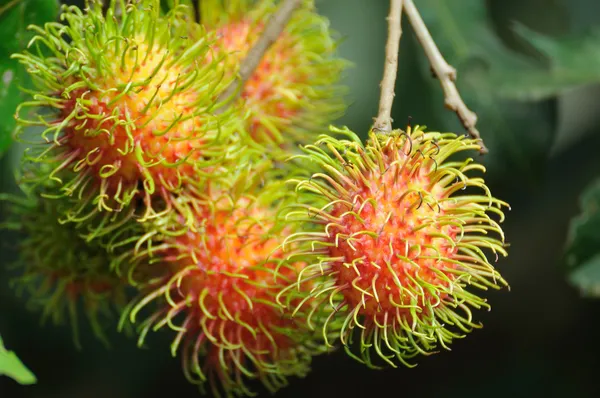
(127, 103)
(392, 243)
(60, 273)
(295, 90)
(216, 288)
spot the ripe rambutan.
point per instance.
(392, 244)
(127, 102)
(59, 272)
(295, 90)
(216, 288)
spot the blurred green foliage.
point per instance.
(15, 17)
(583, 243)
(571, 61)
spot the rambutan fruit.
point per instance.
(217, 292)
(392, 243)
(127, 103)
(295, 89)
(58, 272)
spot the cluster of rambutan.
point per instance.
(152, 198)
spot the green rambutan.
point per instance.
(127, 103)
(59, 272)
(295, 89)
(391, 243)
(216, 288)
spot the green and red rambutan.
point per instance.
(127, 103)
(394, 237)
(59, 273)
(295, 90)
(216, 288)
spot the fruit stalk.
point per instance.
(273, 29)
(445, 73)
(383, 122)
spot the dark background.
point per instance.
(541, 337)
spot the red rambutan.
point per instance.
(59, 272)
(393, 244)
(128, 104)
(216, 288)
(294, 91)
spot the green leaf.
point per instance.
(10, 96)
(11, 366)
(583, 243)
(15, 16)
(519, 135)
(573, 61)
(583, 239)
(587, 277)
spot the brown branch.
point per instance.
(445, 73)
(383, 122)
(8, 6)
(273, 29)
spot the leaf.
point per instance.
(11, 366)
(587, 277)
(15, 16)
(573, 61)
(10, 97)
(583, 239)
(519, 135)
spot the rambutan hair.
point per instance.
(216, 288)
(394, 235)
(295, 90)
(59, 272)
(127, 104)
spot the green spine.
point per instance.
(401, 187)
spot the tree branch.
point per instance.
(445, 73)
(383, 122)
(273, 29)
(8, 6)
